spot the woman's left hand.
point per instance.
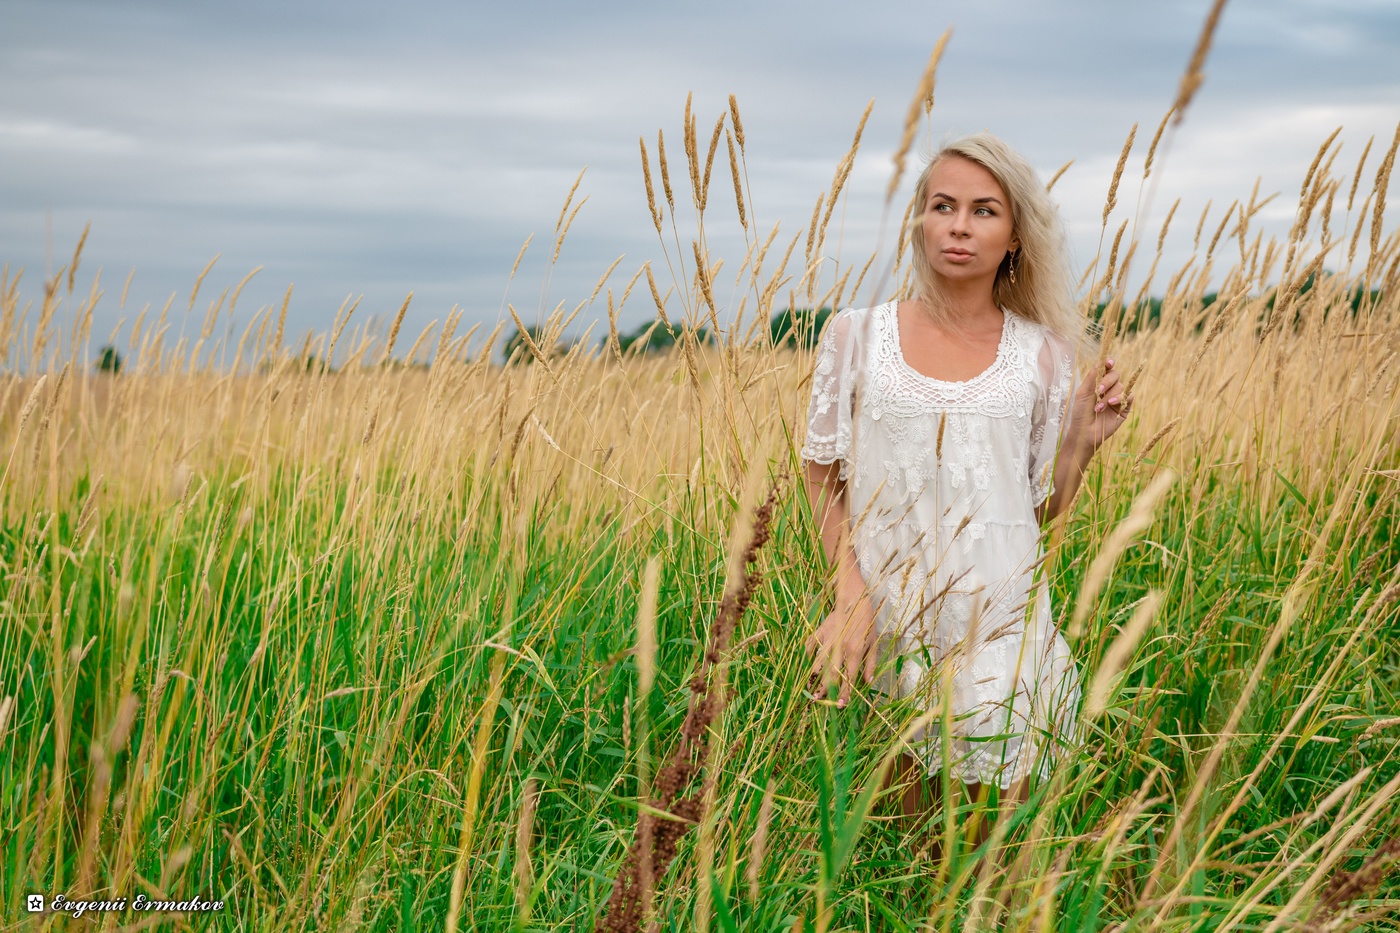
(1100, 406)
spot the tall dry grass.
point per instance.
(357, 648)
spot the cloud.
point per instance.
(358, 148)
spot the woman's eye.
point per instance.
(943, 208)
(985, 212)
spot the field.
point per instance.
(405, 648)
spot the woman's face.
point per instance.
(967, 221)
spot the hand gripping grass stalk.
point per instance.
(665, 819)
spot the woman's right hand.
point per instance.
(842, 648)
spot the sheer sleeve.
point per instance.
(834, 378)
(1053, 403)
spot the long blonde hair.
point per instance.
(1042, 291)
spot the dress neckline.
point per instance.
(904, 364)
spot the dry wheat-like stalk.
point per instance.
(812, 227)
(604, 277)
(1156, 138)
(1056, 177)
(520, 255)
(1195, 74)
(1140, 517)
(702, 273)
(1382, 183)
(1201, 225)
(651, 192)
(911, 121)
(734, 119)
(78, 252)
(394, 328)
(1162, 237)
(692, 155)
(843, 172)
(559, 240)
(738, 184)
(524, 836)
(709, 162)
(1112, 200)
(281, 322)
(1221, 228)
(758, 845)
(568, 200)
(656, 297)
(1154, 440)
(1358, 228)
(613, 342)
(665, 172)
(1118, 654)
(1356, 178)
(530, 344)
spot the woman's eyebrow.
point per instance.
(949, 197)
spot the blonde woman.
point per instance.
(942, 436)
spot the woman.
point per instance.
(941, 438)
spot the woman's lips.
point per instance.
(957, 255)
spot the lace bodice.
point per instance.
(942, 482)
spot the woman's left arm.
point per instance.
(1100, 408)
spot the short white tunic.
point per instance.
(942, 482)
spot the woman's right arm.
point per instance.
(843, 645)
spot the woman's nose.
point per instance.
(960, 226)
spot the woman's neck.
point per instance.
(969, 305)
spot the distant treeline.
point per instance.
(1147, 314)
(790, 327)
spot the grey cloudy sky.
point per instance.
(356, 148)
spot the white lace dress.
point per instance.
(942, 480)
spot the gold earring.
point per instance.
(1011, 265)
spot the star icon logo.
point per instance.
(35, 903)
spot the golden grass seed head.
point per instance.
(559, 241)
(1382, 183)
(1056, 177)
(1221, 229)
(911, 120)
(1360, 226)
(1200, 225)
(1356, 178)
(709, 163)
(1195, 74)
(738, 185)
(665, 172)
(1112, 201)
(568, 200)
(651, 192)
(1156, 138)
(393, 329)
(734, 119)
(78, 252)
(656, 297)
(692, 154)
(812, 227)
(628, 290)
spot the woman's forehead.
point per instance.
(968, 177)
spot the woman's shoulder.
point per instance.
(1039, 333)
(851, 321)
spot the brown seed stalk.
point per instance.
(624, 909)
